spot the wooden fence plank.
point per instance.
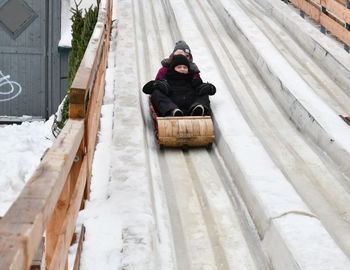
(342, 2)
(329, 21)
(338, 30)
(94, 111)
(83, 78)
(309, 8)
(67, 229)
(337, 8)
(55, 223)
(22, 226)
(80, 248)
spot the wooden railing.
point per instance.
(333, 15)
(51, 199)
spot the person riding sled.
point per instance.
(179, 93)
(181, 47)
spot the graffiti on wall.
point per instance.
(8, 89)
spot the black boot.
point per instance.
(177, 112)
(197, 110)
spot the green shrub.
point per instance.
(82, 29)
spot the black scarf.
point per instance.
(174, 75)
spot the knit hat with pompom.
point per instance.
(182, 45)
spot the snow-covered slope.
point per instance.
(273, 193)
(266, 193)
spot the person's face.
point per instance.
(183, 53)
(181, 69)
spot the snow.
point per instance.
(119, 198)
(21, 147)
(301, 90)
(66, 23)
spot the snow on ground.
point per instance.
(66, 23)
(100, 216)
(119, 213)
(21, 147)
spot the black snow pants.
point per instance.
(164, 104)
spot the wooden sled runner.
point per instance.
(187, 131)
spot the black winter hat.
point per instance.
(179, 60)
(182, 45)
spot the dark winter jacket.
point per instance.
(181, 90)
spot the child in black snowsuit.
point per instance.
(178, 94)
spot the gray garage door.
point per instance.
(23, 61)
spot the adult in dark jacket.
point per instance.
(178, 93)
(181, 47)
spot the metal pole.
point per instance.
(347, 26)
(323, 29)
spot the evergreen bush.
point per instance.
(82, 29)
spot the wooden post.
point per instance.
(80, 248)
(55, 224)
(59, 257)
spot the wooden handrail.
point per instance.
(86, 72)
(51, 199)
(22, 227)
(331, 14)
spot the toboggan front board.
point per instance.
(185, 131)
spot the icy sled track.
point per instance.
(273, 193)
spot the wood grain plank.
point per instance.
(27, 218)
(79, 249)
(67, 229)
(338, 30)
(337, 8)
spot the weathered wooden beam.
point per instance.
(59, 258)
(338, 9)
(22, 227)
(309, 8)
(329, 14)
(335, 28)
(53, 228)
(342, 2)
(181, 131)
(85, 75)
(79, 249)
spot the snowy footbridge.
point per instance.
(273, 193)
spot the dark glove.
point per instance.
(162, 85)
(206, 89)
(148, 87)
(196, 82)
